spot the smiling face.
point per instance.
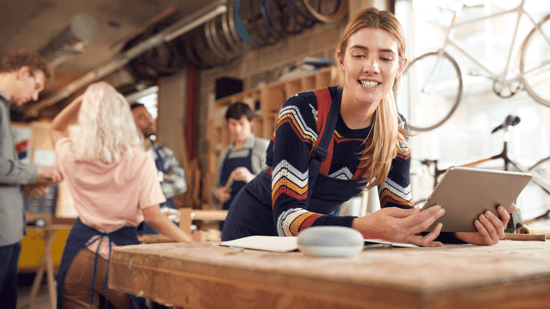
(370, 64)
(28, 85)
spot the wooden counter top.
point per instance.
(511, 274)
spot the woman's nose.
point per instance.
(371, 66)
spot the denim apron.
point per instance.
(251, 212)
(79, 238)
(228, 166)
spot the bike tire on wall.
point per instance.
(427, 111)
(536, 48)
(328, 13)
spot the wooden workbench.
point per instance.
(512, 274)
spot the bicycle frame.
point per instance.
(450, 40)
(537, 179)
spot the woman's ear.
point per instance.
(402, 66)
(341, 60)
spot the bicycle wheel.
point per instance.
(540, 175)
(430, 91)
(327, 11)
(539, 163)
(535, 62)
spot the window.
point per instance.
(466, 136)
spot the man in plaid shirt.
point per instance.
(170, 173)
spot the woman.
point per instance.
(114, 186)
(331, 144)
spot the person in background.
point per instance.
(171, 175)
(115, 187)
(23, 75)
(332, 143)
(242, 160)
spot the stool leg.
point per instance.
(50, 270)
(38, 277)
(36, 284)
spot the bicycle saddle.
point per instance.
(510, 121)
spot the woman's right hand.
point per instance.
(401, 225)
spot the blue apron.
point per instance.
(228, 166)
(251, 213)
(78, 239)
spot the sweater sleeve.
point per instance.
(295, 135)
(12, 172)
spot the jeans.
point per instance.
(9, 258)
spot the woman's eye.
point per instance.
(358, 56)
(386, 59)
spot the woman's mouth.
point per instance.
(368, 84)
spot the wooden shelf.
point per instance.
(266, 101)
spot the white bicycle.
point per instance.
(431, 86)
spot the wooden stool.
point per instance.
(46, 265)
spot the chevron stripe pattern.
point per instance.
(296, 134)
(393, 194)
(292, 116)
(342, 173)
(290, 181)
(292, 221)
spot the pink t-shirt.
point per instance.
(109, 196)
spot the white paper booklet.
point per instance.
(267, 243)
(287, 244)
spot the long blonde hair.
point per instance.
(388, 128)
(107, 127)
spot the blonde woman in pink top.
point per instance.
(114, 186)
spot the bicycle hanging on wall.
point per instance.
(432, 85)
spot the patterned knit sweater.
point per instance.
(294, 137)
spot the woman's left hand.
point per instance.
(490, 229)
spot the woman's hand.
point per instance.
(198, 236)
(490, 229)
(401, 225)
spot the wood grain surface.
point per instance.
(511, 274)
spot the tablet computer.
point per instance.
(466, 193)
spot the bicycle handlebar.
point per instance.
(510, 121)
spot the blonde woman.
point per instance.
(332, 143)
(114, 186)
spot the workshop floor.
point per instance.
(42, 300)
